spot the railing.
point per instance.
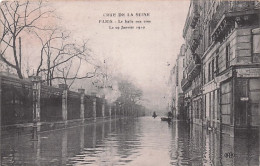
(223, 21)
(220, 11)
(194, 67)
(192, 17)
(194, 14)
(241, 5)
(194, 39)
(229, 7)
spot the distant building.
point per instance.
(221, 83)
(172, 97)
(176, 91)
(179, 77)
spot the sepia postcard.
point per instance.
(135, 83)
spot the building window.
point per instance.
(217, 104)
(209, 105)
(204, 75)
(209, 35)
(204, 40)
(205, 106)
(197, 109)
(213, 69)
(209, 72)
(213, 104)
(200, 109)
(228, 54)
(217, 70)
(256, 43)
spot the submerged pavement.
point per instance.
(141, 141)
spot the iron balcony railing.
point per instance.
(194, 14)
(185, 84)
(192, 18)
(194, 39)
(226, 7)
(229, 12)
(194, 68)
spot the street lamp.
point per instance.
(36, 83)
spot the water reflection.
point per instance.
(143, 141)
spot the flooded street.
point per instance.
(80, 82)
(142, 141)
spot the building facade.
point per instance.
(179, 75)
(221, 76)
(175, 82)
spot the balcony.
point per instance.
(194, 39)
(194, 14)
(185, 84)
(230, 13)
(192, 17)
(193, 70)
(194, 67)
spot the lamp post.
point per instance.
(36, 87)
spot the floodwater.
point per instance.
(135, 142)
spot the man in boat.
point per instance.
(154, 115)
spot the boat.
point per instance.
(166, 119)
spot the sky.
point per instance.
(146, 55)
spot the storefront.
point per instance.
(187, 109)
(240, 99)
(197, 110)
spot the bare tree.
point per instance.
(51, 53)
(16, 17)
(58, 54)
(69, 76)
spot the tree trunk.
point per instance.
(18, 70)
(20, 54)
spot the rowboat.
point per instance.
(166, 119)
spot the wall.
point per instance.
(17, 103)
(51, 103)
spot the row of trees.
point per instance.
(59, 57)
(130, 94)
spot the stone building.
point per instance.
(221, 82)
(179, 76)
(176, 91)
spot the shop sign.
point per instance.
(249, 72)
(244, 98)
